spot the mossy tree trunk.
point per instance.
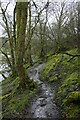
(42, 43)
(29, 37)
(42, 32)
(59, 30)
(78, 27)
(21, 21)
(78, 40)
(8, 29)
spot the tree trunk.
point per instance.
(20, 45)
(78, 41)
(9, 34)
(42, 52)
(29, 37)
(78, 28)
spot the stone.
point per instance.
(43, 102)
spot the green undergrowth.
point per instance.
(14, 99)
(49, 71)
(65, 70)
(36, 60)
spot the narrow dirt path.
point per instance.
(43, 105)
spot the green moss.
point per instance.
(26, 66)
(50, 66)
(70, 84)
(67, 69)
(18, 103)
(73, 51)
(32, 85)
(9, 85)
(47, 68)
(73, 97)
(15, 99)
(66, 97)
(72, 79)
(72, 111)
(8, 80)
(53, 78)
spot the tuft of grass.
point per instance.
(73, 97)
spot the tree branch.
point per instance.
(72, 55)
(8, 61)
(3, 75)
(38, 16)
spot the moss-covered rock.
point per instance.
(68, 95)
(73, 97)
(53, 78)
(70, 84)
(72, 112)
(49, 69)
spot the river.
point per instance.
(43, 105)
(3, 67)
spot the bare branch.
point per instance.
(3, 75)
(7, 58)
(6, 6)
(72, 55)
(36, 22)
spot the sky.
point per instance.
(10, 10)
(12, 3)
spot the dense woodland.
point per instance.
(40, 32)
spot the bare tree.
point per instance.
(7, 25)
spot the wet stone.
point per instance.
(43, 102)
(49, 114)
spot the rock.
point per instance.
(35, 71)
(43, 102)
(49, 114)
(40, 83)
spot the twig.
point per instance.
(8, 61)
(72, 55)
(3, 75)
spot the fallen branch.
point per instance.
(3, 75)
(72, 55)
(7, 58)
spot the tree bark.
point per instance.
(20, 45)
(29, 37)
(9, 34)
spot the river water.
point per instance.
(4, 67)
(43, 105)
